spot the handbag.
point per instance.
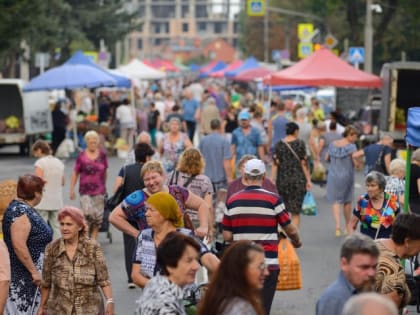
(309, 205)
(290, 276)
(379, 166)
(112, 202)
(188, 224)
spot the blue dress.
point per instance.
(23, 294)
(340, 179)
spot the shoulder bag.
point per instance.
(113, 201)
(186, 217)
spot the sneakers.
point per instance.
(131, 285)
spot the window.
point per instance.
(218, 27)
(202, 26)
(156, 28)
(185, 27)
(158, 41)
(139, 43)
(185, 11)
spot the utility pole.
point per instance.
(266, 43)
(368, 37)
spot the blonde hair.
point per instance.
(152, 166)
(91, 134)
(397, 165)
(191, 162)
(416, 155)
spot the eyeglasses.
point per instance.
(262, 266)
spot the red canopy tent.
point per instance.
(323, 68)
(232, 66)
(253, 74)
(162, 65)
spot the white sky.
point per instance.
(234, 6)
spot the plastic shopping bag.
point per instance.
(309, 205)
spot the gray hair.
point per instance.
(377, 178)
(397, 165)
(416, 155)
(358, 243)
(144, 137)
(358, 305)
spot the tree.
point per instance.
(46, 25)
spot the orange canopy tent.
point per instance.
(323, 68)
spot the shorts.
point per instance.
(93, 208)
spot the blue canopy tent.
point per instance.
(79, 58)
(248, 64)
(194, 67)
(413, 141)
(220, 65)
(70, 76)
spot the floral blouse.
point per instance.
(74, 283)
(161, 297)
(372, 219)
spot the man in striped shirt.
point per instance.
(254, 214)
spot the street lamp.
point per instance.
(369, 33)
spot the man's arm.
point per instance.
(227, 236)
(293, 233)
(118, 219)
(227, 166)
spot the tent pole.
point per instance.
(407, 179)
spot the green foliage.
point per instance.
(46, 25)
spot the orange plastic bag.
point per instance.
(290, 277)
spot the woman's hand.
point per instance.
(42, 311)
(72, 195)
(308, 185)
(109, 309)
(36, 278)
(202, 231)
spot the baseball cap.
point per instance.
(244, 115)
(254, 167)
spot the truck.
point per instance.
(24, 117)
(400, 91)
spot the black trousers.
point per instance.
(129, 248)
(191, 129)
(269, 290)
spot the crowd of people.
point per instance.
(207, 164)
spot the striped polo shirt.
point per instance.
(254, 214)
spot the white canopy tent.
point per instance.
(136, 69)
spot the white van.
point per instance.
(24, 117)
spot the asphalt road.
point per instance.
(319, 255)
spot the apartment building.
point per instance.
(183, 24)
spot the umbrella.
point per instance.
(70, 76)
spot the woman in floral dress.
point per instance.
(375, 210)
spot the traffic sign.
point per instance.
(305, 31)
(330, 41)
(256, 7)
(305, 50)
(356, 55)
(275, 55)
